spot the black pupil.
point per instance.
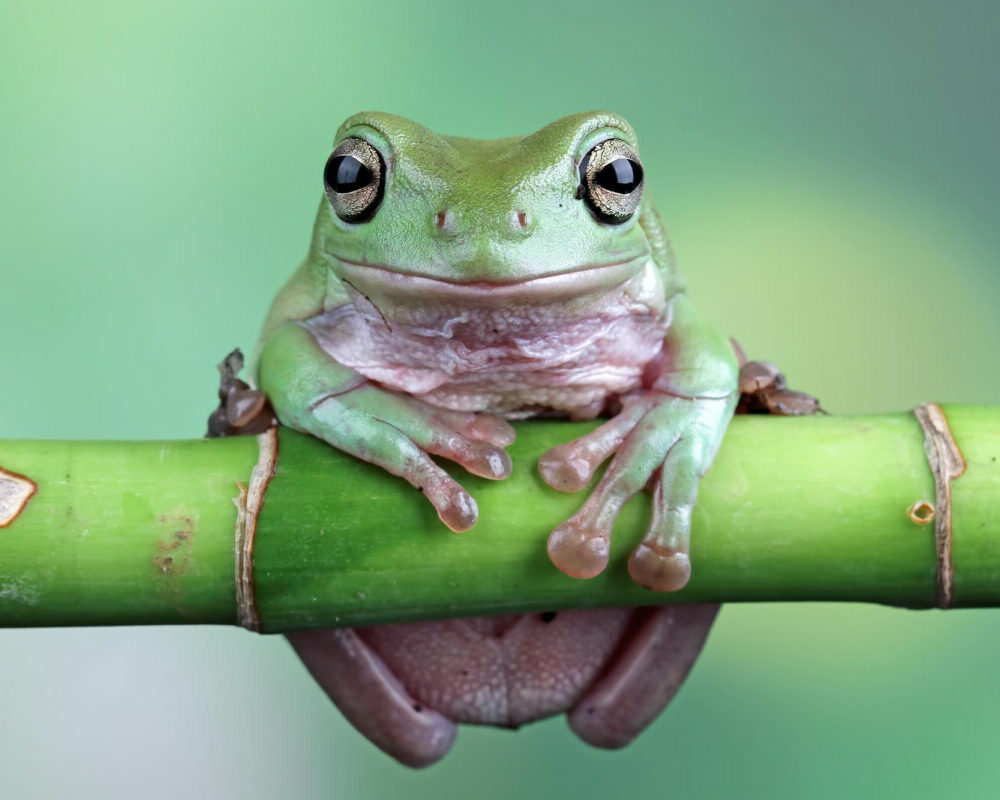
(347, 174)
(620, 176)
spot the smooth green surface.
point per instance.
(831, 178)
(118, 534)
(974, 553)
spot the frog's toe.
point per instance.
(383, 444)
(579, 550)
(565, 470)
(481, 427)
(661, 562)
(579, 547)
(569, 467)
(647, 673)
(372, 697)
(454, 505)
(456, 509)
(479, 458)
(458, 441)
(456, 436)
(659, 569)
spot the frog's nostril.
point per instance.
(520, 220)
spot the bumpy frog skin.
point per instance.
(453, 284)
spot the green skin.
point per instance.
(483, 286)
(446, 215)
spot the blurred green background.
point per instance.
(831, 175)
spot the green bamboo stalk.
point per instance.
(794, 509)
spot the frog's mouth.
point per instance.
(573, 282)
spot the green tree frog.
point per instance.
(454, 284)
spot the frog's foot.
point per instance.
(662, 561)
(315, 394)
(398, 433)
(242, 410)
(569, 467)
(664, 441)
(644, 677)
(372, 698)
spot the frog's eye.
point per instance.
(611, 181)
(354, 178)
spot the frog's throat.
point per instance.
(572, 282)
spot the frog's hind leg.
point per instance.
(644, 677)
(372, 698)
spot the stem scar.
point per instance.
(921, 512)
(15, 492)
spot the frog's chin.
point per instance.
(574, 282)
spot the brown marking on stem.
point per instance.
(947, 463)
(248, 503)
(172, 553)
(15, 492)
(921, 512)
(164, 564)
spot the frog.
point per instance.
(453, 286)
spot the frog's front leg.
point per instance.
(665, 436)
(313, 393)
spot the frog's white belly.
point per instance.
(566, 355)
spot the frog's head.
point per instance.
(560, 207)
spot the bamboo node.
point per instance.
(15, 492)
(248, 503)
(947, 464)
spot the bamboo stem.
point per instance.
(814, 508)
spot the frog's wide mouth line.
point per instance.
(573, 281)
